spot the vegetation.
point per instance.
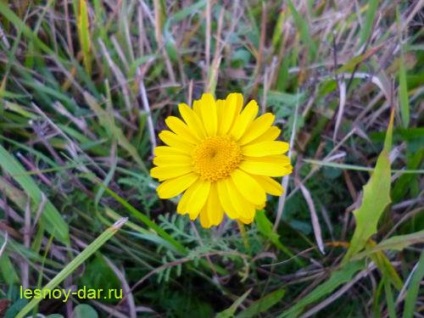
(85, 89)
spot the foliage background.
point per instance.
(85, 87)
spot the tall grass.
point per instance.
(85, 88)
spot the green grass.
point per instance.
(85, 89)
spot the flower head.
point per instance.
(221, 157)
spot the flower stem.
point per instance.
(243, 234)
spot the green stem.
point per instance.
(243, 234)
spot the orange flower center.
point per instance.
(216, 157)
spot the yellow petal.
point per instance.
(170, 172)
(269, 185)
(260, 206)
(168, 151)
(192, 120)
(181, 129)
(271, 134)
(220, 111)
(247, 220)
(244, 120)
(172, 160)
(204, 221)
(265, 148)
(182, 204)
(248, 187)
(273, 166)
(245, 210)
(259, 126)
(212, 212)
(197, 104)
(172, 187)
(174, 141)
(224, 198)
(230, 110)
(194, 199)
(209, 114)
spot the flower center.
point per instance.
(216, 157)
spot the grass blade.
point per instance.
(146, 220)
(84, 34)
(21, 27)
(336, 279)
(346, 166)
(51, 219)
(366, 31)
(108, 123)
(412, 293)
(75, 263)
(229, 312)
(389, 298)
(403, 93)
(386, 268)
(397, 243)
(305, 33)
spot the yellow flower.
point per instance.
(222, 158)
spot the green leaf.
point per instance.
(262, 304)
(84, 311)
(7, 269)
(265, 228)
(376, 197)
(397, 243)
(229, 312)
(13, 310)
